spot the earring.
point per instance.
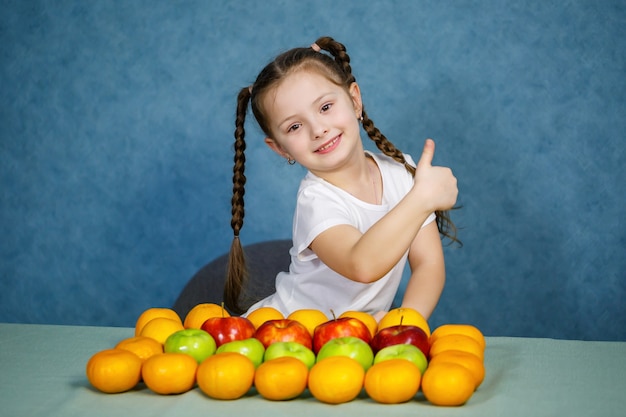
(290, 161)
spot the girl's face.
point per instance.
(314, 121)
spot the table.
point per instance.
(42, 373)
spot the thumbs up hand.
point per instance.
(437, 186)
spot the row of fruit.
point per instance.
(281, 357)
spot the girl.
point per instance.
(359, 216)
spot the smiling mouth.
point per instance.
(328, 145)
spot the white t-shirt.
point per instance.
(310, 284)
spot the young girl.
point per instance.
(359, 215)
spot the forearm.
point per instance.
(428, 272)
(367, 257)
(424, 290)
(386, 242)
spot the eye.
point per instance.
(326, 107)
(293, 127)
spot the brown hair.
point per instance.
(336, 67)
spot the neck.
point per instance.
(361, 179)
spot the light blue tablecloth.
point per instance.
(42, 373)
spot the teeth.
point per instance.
(329, 145)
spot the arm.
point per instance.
(366, 257)
(428, 273)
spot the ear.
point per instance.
(275, 146)
(355, 94)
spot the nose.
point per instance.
(319, 130)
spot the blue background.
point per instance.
(116, 148)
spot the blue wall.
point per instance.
(115, 148)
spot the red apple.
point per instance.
(401, 334)
(341, 327)
(283, 330)
(228, 329)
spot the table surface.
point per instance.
(42, 373)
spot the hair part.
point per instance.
(332, 62)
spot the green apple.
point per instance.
(403, 351)
(293, 349)
(194, 342)
(251, 347)
(350, 346)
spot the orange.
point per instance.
(309, 318)
(160, 328)
(404, 315)
(281, 378)
(392, 381)
(468, 360)
(226, 375)
(448, 384)
(465, 329)
(366, 318)
(201, 312)
(114, 370)
(336, 379)
(263, 314)
(152, 313)
(456, 342)
(142, 346)
(169, 373)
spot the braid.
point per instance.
(444, 224)
(338, 51)
(237, 272)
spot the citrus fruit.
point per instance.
(406, 316)
(226, 375)
(393, 381)
(456, 342)
(336, 379)
(142, 346)
(201, 312)
(114, 370)
(263, 314)
(466, 359)
(465, 329)
(309, 318)
(169, 373)
(160, 328)
(282, 378)
(153, 313)
(366, 318)
(447, 384)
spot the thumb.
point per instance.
(427, 154)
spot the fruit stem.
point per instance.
(333, 313)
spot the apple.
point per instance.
(403, 351)
(293, 349)
(250, 347)
(351, 346)
(228, 329)
(401, 334)
(195, 342)
(340, 327)
(283, 330)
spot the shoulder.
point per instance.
(392, 169)
(390, 164)
(315, 194)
